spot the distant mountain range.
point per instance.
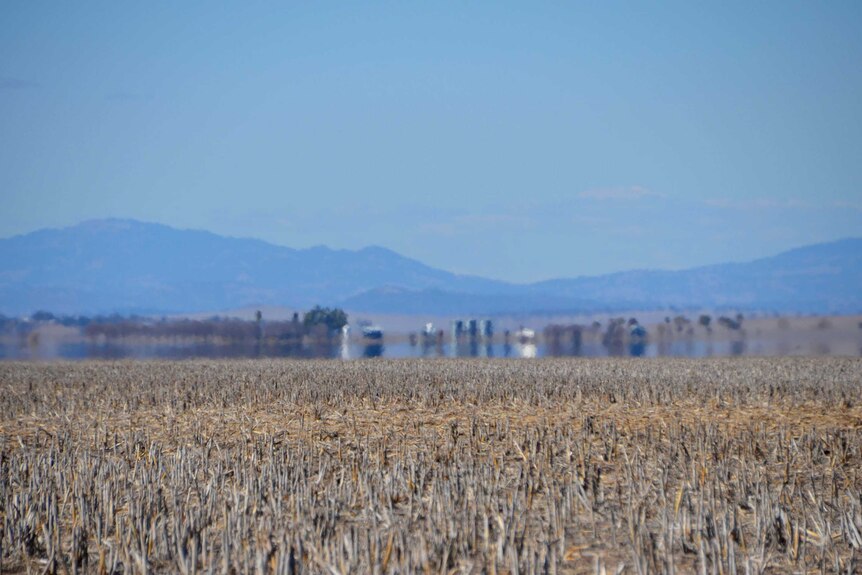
(126, 266)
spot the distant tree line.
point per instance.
(319, 322)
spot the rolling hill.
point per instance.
(126, 266)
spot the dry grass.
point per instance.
(554, 466)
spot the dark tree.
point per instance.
(42, 315)
(729, 323)
(680, 322)
(258, 320)
(334, 319)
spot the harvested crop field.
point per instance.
(446, 466)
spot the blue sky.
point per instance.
(520, 141)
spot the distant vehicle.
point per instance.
(525, 335)
(372, 332)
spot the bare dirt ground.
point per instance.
(446, 466)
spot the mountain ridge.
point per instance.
(122, 265)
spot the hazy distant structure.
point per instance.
(472, 330)
(562, 340)
(430, 336)
(638, 339)
(344, 346)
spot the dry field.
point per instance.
(553, 466)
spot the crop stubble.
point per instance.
(555, 466)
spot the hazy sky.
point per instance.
(518, 141)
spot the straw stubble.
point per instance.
(556, 466)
